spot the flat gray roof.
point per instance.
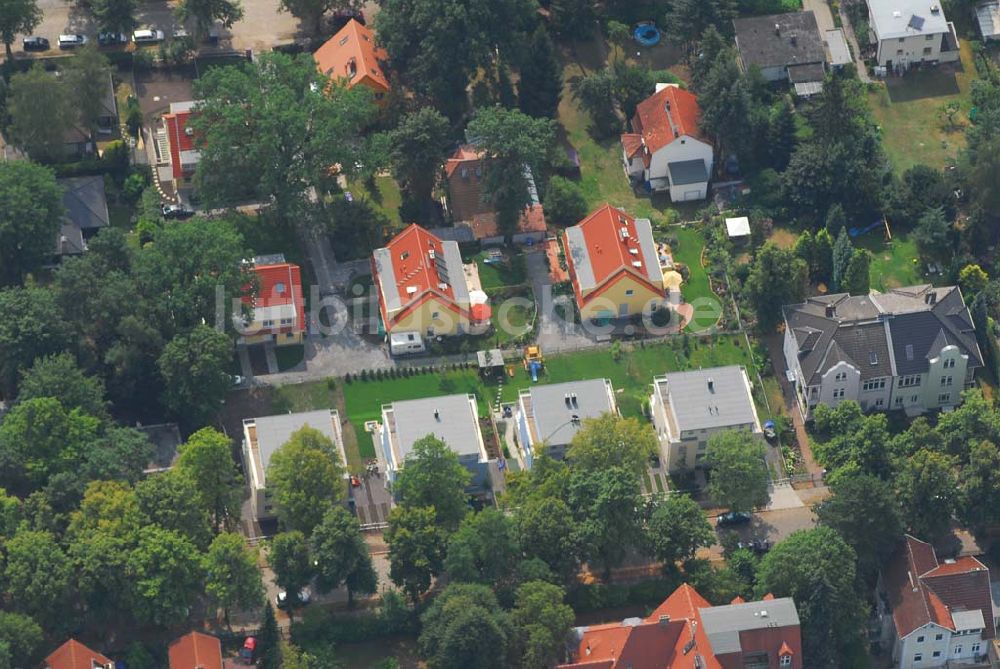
(274, 431)
(581, 259)
(387, 278)
(552, 416)
(902, 18)
(456, 423)
(723, 624)
(698, 406)
(688, 172)
(837, 50)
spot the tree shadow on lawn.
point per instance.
(923, 84)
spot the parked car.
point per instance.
(303, 598)
(112, 39)
(71, 41)
(759, 546)
(35, 43)
(180, 33)
(147, 36)
(731, 518)
(176, 211)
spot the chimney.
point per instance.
(777, 28)
(576, 404)
(930, 297)
(664, 619)
(437, 415)
(568, 401)
(711, 385)
(831, 311)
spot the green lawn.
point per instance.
(602, 177)
(517, 316)
(696, 290)
(909, 111)
(385, 197)
(892, 262)
(494, 275)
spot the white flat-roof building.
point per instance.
(263, 436)
(454, 419)
(552, 414)
(911, 32)
(689, 407)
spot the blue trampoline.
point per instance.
(646, 34)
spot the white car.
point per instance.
(281, 600)
(147, 36)
(71, 41)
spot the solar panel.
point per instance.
(916, 22)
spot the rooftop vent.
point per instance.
(949, 561)
(576, 403)
(664, 619)
(568, 401)
(935, 9)
(711, 385)
(896, 14)
(777, 28)
(410, 290)
(831, 311)
(437, 415)
(623, 231)
(637, 263)
(930, 297)
(763, 613)
(430, 253)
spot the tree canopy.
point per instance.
(31, 212)
(305, 478)
(433, 477)
(739, 479)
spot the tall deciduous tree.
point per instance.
(547, 531)
(739, 478)
(292, 125)
(205, 13)
(781, 133)
(979, 486)
(172, 501)
(484, 549)
(565, 203)
(573, 19)
(166, 572)
(341, 555)
(59, 376)
(607, 503)
(542, 623)
(541, 77)
(612, 441)
(794, 567)
(17, 17)
(510, 141)
(305, 478)
(40, 113)
(30, 215)
(933, 234)
(38, 576)
(465, 627)
(418, 146)
(416, 548)
(88, 77)
(865, 512)
(207, 458)
(433, 477)
(269, 640)
(195, 371)
(232, 578)
(776, 278)
(687, 20)
(311, 12)
(422, 38)
(23, 637)
(677, 528)
(115, 16)
(927, 492)
(28, 331)
(857, 279)
(289, 558)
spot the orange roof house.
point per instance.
(183, 154)
(666, 148)
(195, 650)
(352, 55)
(930, 600)
(421, 284)
(686, 632)
(464, 172)
(613, 264)
(74, 655)
(279, 305)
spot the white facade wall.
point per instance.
(840, 383)
(682, 148)
(910, 50)
(925, 641)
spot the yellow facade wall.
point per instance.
(422, 320)
(611, 299)
(282, 338)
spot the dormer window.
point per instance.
(280, 288)
(344, 40)
(785, 661)
(352, 68)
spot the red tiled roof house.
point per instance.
(278, 308)
(464, 172)
(936, 614)
(421, 284)
(613, 265)
(352, 56)
(666, 149)
(686, 632)
(74, 655)
(182, 153)
(195, 650)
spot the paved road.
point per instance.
(554, 332)
(262, 25)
